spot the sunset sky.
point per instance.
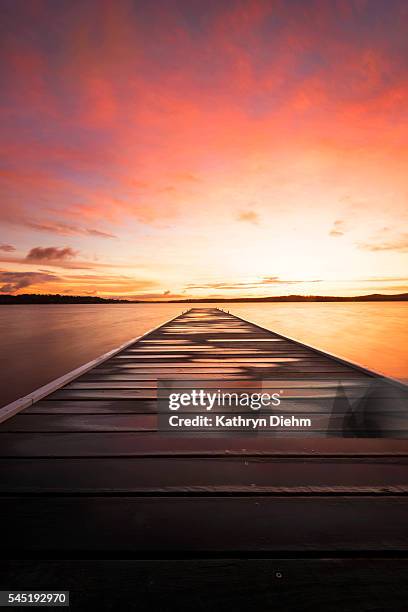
(204, 148)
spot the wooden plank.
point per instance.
(247, 475)
(355, 583)
(80, 423)
(225, 352)
(236, 385)
(153, 377)
(91, 407)
(207, 357)
(221, 380)
(147, 406)
(253, 371)
(227, 364)
(321, 422)
(134, 393)
(235, 361)
(247, 373)
(233, 342)
(160, 371)
(118, 444)
(212, 524)
(218, 353)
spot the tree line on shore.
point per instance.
(37, 298)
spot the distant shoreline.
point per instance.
(34, 298)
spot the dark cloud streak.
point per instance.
(14, 281)
(51, 254)
(266, 281)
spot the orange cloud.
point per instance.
(385, 242)
(337, 229)
(15, 281)
(249, 216)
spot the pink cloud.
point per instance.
(42, 254)
(67, 229)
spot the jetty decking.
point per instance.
(85, 468)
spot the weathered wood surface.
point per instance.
(86, 469)
(278, 584)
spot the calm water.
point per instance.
(40, 343)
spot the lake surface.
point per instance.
(42, 342)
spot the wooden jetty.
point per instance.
(84, 470)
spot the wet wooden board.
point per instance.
(69, 462)
(396, 422)
(138, 406)
(250, 475)
(91, 407)
(280, 583)
(136, 444)
(110, 392)
(157, 524)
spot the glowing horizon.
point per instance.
(204, 149)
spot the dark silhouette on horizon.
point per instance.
(37, 298)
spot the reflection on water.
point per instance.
(42, 342)
(374, 334)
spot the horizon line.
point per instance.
(63, 298)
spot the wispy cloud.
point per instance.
(338, 228)
(14, 281)
(80, 284)
(386, 241)
(69, 263)
(275, 280)
(249, 216)
(7, 248)
(67, 229)
(187, 177)
(165, 295)
(262, 283)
